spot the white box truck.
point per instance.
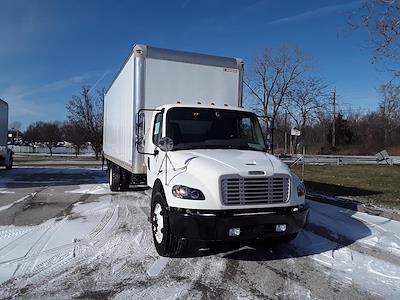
(174, 121)
(6, 155)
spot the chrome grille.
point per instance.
(260, 190)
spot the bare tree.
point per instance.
(273, 77)
(46, 133)
(86, 111)
(389, 109)
(32, 135)
(390, 102)
(50, 135)
(307, 98)
(381, 18)
(16, 125)
(75, 135)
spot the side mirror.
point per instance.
(166, 144)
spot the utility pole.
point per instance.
(286, 132)
(334, 120)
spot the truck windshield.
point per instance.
(203, 128)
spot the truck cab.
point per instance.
(213, 180)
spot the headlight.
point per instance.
(184, 192)
(301, 190)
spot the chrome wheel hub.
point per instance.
(158, 223)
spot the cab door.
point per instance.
(153, 162)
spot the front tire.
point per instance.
(166, 244)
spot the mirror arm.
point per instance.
(142, 152)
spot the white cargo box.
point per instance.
(151, 77)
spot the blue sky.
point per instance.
(50, 48)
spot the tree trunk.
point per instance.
(97, 150)
(50, 149)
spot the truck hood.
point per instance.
(228, 161)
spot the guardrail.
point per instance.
(336, 159)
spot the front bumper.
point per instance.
(215, 225)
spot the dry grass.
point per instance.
(378, 184)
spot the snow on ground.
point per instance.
(4, 191)
(23, 250)
(367, 229)
(92, 189)
(104, 249)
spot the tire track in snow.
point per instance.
(62, 253)
(81, 248)
(14, 232)
(36, 249)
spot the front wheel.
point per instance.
(166, 244)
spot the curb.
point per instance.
(356, 206)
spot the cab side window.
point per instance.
(157, 128)
(246, 129)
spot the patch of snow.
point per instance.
(373, 231)
(352, 267)
(94, 189)
(16, 201)
(157, 267)
(4, 191)
(293, 290)
(32, 246)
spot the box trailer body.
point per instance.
(5, 153)
(151, 77)
(174, 121)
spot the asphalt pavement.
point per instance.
(64, 235)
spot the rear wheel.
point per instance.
(166, 244)
(114, 177)
(125, 179)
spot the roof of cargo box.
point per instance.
(189, 57)
(181, 56)
(3, 102)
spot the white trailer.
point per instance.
(174, 121)
(6, 155)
